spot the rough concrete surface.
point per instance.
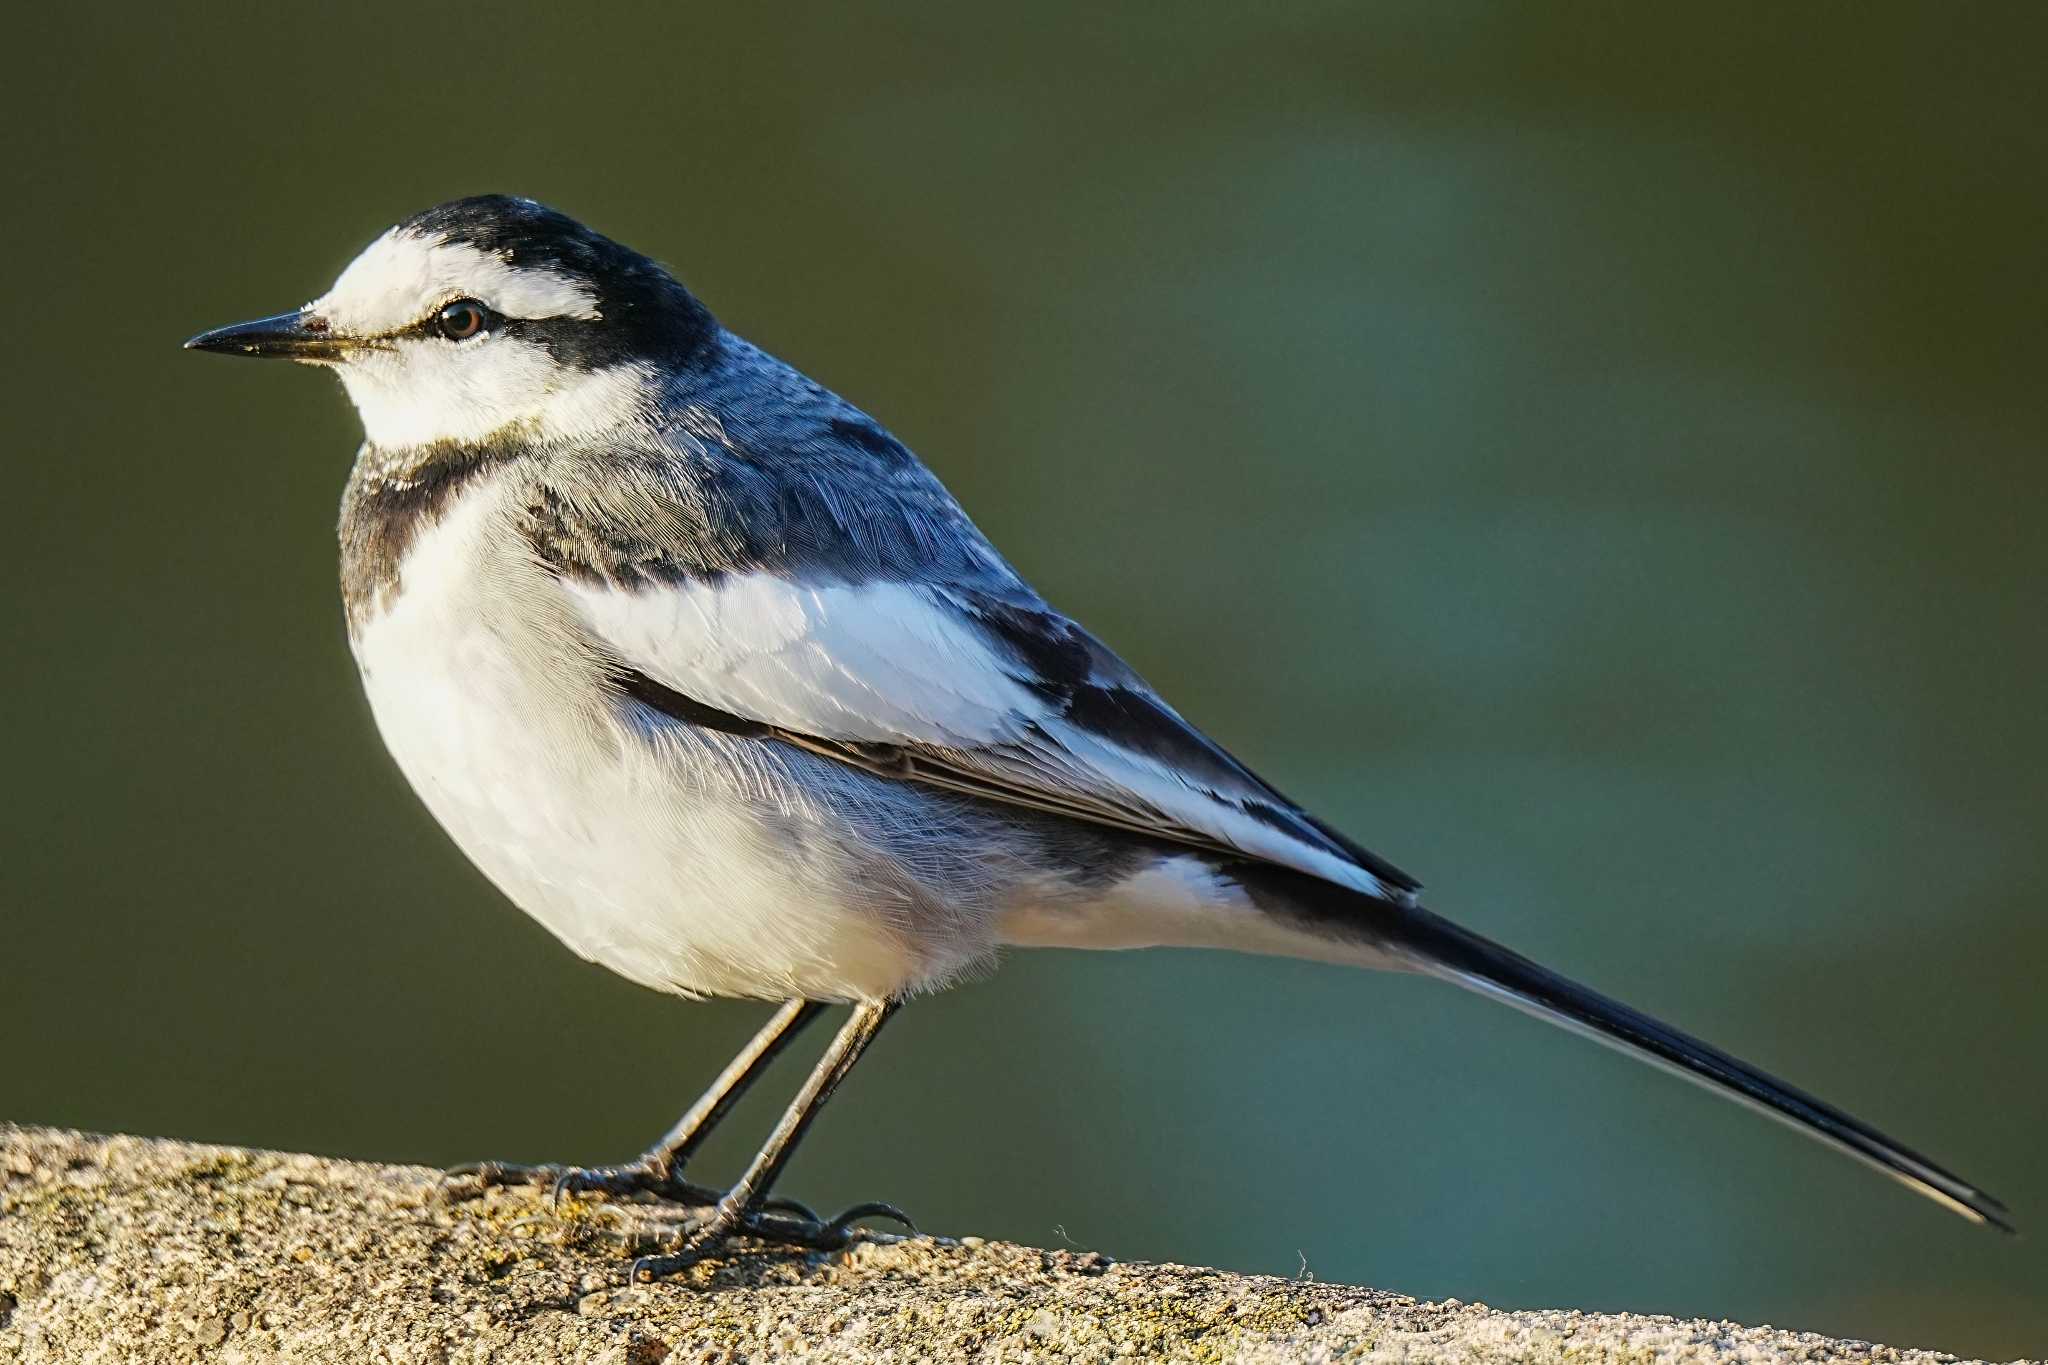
(140, 1250)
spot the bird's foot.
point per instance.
(777, 1222)
(636, 1180)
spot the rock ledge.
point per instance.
(140, 1249)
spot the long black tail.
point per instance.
(1430, 943)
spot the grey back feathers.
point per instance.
(752, 468)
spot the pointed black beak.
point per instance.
(288, 336)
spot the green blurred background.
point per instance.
(1592, 452)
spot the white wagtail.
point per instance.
(714, 679)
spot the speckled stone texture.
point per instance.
(139, 1250)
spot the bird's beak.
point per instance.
(288, 336)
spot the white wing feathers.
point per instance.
(879, 663)
(900, 665)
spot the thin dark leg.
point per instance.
(740, 1207)
(717, 1101)
(657, 1168)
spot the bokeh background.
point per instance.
(1592, 452)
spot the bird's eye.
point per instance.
(462, 319)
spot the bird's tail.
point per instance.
(1415, 937)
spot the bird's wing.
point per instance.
(983, 690)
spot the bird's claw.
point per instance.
(615, 1182)
(778, 1222)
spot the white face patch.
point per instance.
(428, 390)
(415, 390)
(400, 278)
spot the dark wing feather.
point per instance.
(1098, 694)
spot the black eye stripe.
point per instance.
(586, 343)
(571, 340)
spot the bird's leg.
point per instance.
(657, 1170)
(744, 1207)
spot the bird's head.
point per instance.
(484, 315)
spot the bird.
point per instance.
(712, 677)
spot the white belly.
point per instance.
(639, 852)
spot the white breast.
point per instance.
(646, 852)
